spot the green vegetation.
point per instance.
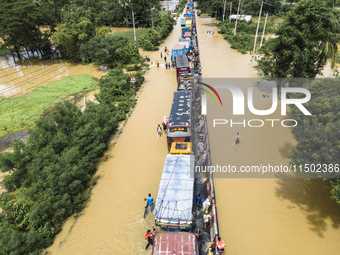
(71, 23)
(215, 8)
(243, 41)
(19, 26)
(179, 8)
(318, 136)
(150, 40)
(20, 113)
(306, 39)
(129, 34)
(50, 173)
(111, 50)
(153, 38)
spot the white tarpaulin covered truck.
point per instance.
(173, 209)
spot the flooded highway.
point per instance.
(256, 216)
(113, 222)
(262, 216)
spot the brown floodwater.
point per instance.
(26, 77)
(262, 216)
(112, 222)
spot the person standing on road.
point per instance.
(206, 219)
(159, 130)
(165, 59)
(150, 201)
(220, 245)
(164, 127)
(199, 202)
(161, 54)
(148, 236)
(237, 138)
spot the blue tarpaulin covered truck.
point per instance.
(177, 50)
(183, 22)
(185, 29)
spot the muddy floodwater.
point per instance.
(113, 222)
(18, 80)
(262, 216)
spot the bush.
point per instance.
(153, 37)
(111, 50)
(150, 40)
(242, 43)
(179, 8)
(48, 175)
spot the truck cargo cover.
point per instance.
(175, 195)
(169, 243)
(180, 110)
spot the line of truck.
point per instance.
(174, 205)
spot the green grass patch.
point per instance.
(20, 113)
(129, 34)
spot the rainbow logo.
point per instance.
(209, 93)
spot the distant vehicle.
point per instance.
(182, 64)
(183, 20)
(187, 42)
(185, 81)
(185, 29)
(177, 50)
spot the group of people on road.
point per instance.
(165, 126)
(149, 235)
(220, 245)
(167, 65)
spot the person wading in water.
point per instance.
(237, 141)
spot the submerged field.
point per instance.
(20, 113)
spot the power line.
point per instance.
(34, 77)
(4, 100)
(47, 56)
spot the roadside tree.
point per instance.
(305, 40)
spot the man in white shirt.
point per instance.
(206, 219)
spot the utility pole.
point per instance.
(152, 15)
(238, 9)
(225, 1)
(231, 6)
(84, 103)
(264, 28)
(216, 17)
(257, 29)
(133, 21)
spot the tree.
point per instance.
(318, 136)
(111, 50)
(19, 27)
(306, 39)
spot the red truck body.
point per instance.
(182, 65)
(169, 243)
